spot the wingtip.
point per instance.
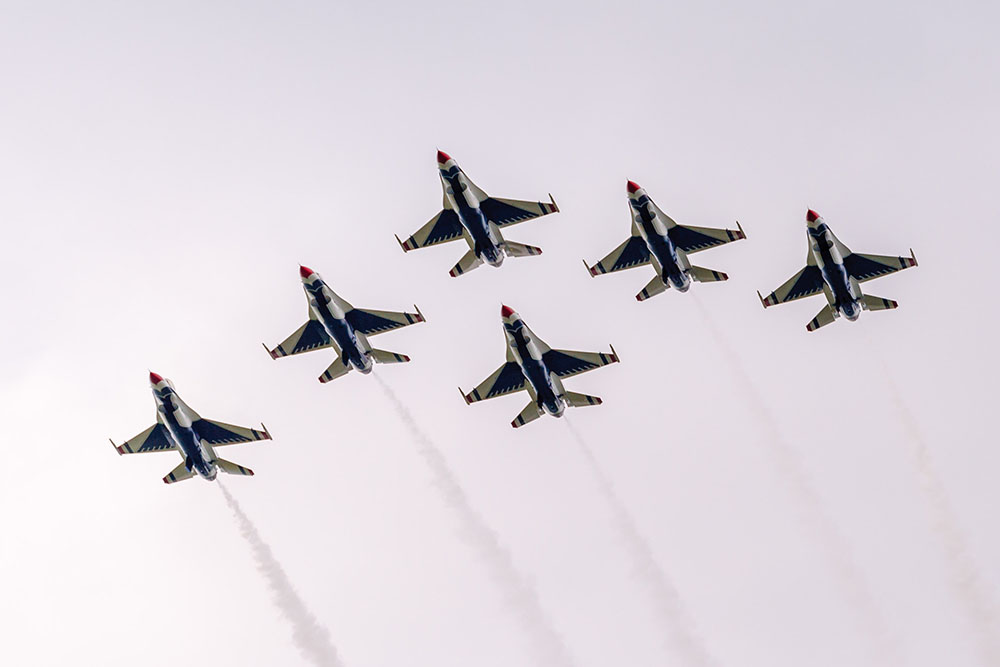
(464, 397)
(554, 204)
(762, 301)
(914, 258)
(592, 270)
(270, 352)
(401, 244)
(614, 355)
(419, 314)
(117, 448)
(743, 234)
(267, 434)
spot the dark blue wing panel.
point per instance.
(156, 441)
(689, 240)
(635, 252)
(563, 364)
(369, 323)
(504, 214)
(510, 379)
(314, 336)
(863, 268)
(447, 227)
(810, 282)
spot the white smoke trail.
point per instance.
(665, 596)
(967, 581)
(311, 638)
(546, 643)
(868, 618)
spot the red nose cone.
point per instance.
(443, 157)
(506, 311)
(154, 378)
(632, 187)
(305, 271)
(812, 215)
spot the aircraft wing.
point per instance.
(153, 439)
(696, 239)
(506, 212)
(567, 363)
(805, 283)
(372, 322)
(869, 267)
(629, 254)
(310, 336)
(443, 227)
(508, 378)
(219, 434)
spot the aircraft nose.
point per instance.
(154, 378)
(305, 271)
(506, 311)
(812, 216)
(632, 187)
(443, 157)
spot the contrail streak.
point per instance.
(311, 638)
(668, 603)
(967, 581)
(545, 641)
(866, 613)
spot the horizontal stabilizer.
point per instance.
(337, 369)
(576, 400)
(530, 413)
(233, 468)
(652, 288)
(386, 357)
(468, 262)
(520, 249)
(825, 316)
(878, 303)
(178, 474)
(703, 275)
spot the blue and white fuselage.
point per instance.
(178, 418)
(525, 348)
(671, 264)
(461, 196)
(331, 312)
(827, 253)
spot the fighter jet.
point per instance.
(533, 366)
(335, 323)
(658, 240)
(179, 428)
(472, 214)
(833, 269)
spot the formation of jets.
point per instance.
(531, 365)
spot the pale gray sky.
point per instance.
(165, 167)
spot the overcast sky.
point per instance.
(166, 166)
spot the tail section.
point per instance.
(530, 413)
(179, 474)
(824, 317)
(468, 262)
(338, 368)
(520, 249)
(703, 275)
(575, 400)
(386, 357)
(654, 287)
(231, 468)
(869, 302)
